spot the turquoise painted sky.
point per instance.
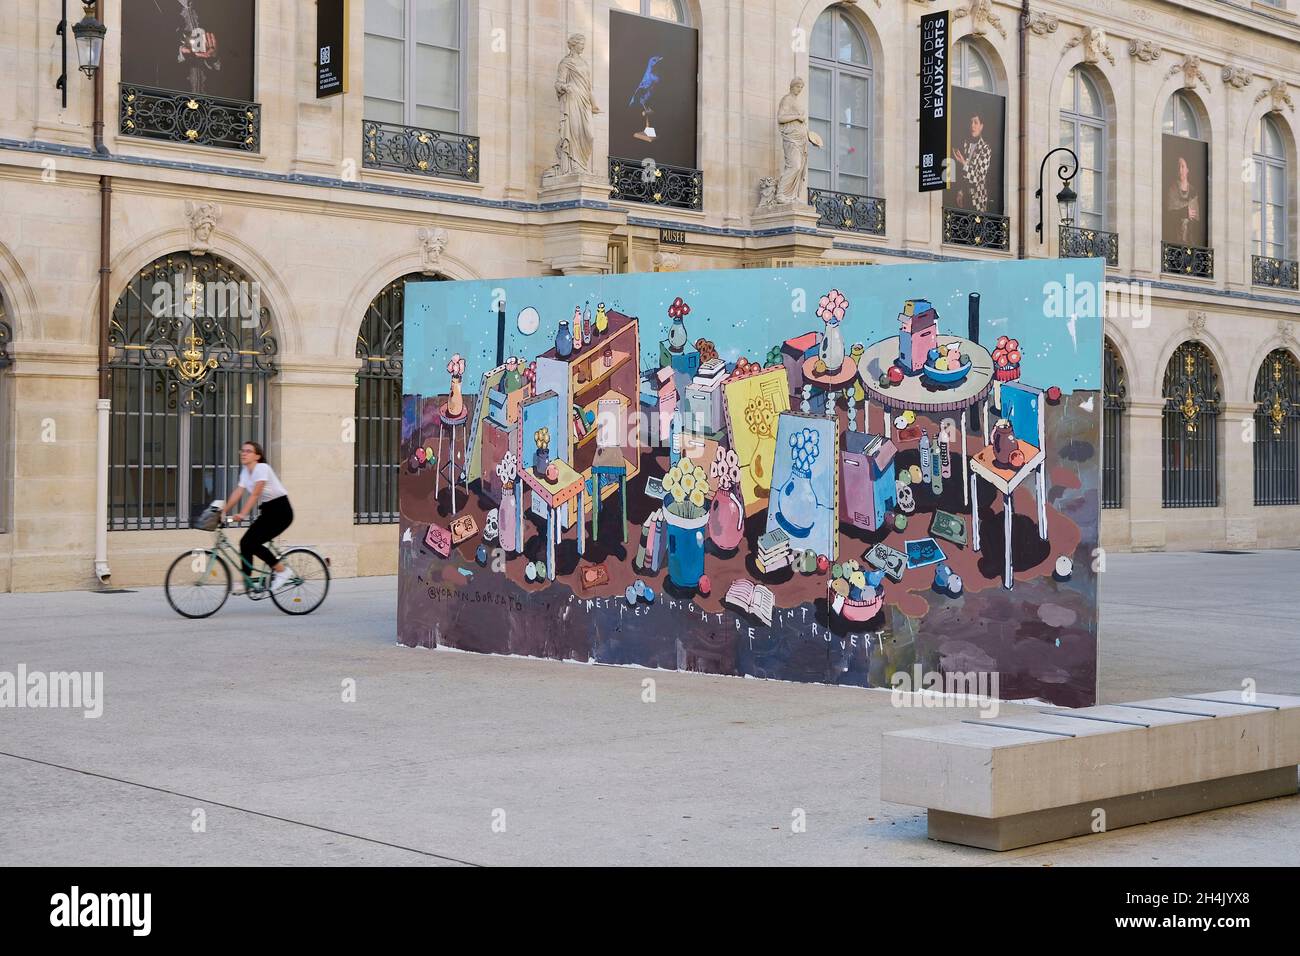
(747, 311)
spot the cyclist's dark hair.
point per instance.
(261, 455)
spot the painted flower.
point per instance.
(456, 366)
(679, 309)
(697, 498)
(832, 306)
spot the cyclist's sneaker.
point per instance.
(281, 580)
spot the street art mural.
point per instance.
(818, 474)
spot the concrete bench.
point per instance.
(1029, 777)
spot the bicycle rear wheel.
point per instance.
(309, 584)
(197, 584)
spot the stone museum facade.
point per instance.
(214, 254)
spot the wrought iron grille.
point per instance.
(961, 227)
(6, 336)
(655, 183)
(1189, 432)
(190, 118)
(1277, 430)
(1112, 428)
(1279, 273)
(191, 353)
(424, 152)
(847, 211)
(1187, 260)
(1077, 242)
(378, 419)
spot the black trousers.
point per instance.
(274, 517)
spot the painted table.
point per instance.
(568, 486)
(1007, 480)
(611, 464)
(449, 467)
(917, 394)
(830, 383)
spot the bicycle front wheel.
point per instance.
(198, 583)
(308, 584)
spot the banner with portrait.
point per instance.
(1185, 191)
(978, 157)
(192, 46)
(653, 90)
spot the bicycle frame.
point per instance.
(227, 550)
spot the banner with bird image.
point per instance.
(653, 90)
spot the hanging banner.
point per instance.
(933, 139)
(331, 47)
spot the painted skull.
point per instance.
(906, 500)
(490, 529)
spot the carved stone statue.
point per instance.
(203, 218)
(792, 120)
(573, 87)
(433, 242)
(1191, 70)
(982, 16)
(767, 192)
(1281, 97)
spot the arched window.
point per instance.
(1189, 430)
(6, 360)
(839, 105)
(1083, 129)
(1112, 428)
(971, 68)
(191, 356)
(1277, 430)
(673, 10)
(1269, 197)
(1180, 117)
(414, 63)
(378, 420)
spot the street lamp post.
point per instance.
(88, 32)
(1066, 198)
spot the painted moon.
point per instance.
(529, 321)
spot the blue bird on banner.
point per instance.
(648, 83)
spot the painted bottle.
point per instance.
(564, 340)
(508, 517)
(925, 456)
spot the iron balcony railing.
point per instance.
(847, 211)
(656, 184)
(196, 118)
(1278, 273)
(1077, 242)
(1187, 260)
(962, 227)
(424, 152)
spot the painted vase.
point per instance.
(677, 334)
(564, 340)
(602, 319)
(1004, 443)
(726, 520)
(541, 461)
(685, 549)
(832, 349)
(796, 504)
(455, 401)
(508, 517)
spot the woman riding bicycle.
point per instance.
(264, 488)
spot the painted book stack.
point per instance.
(653, 550)
(774, 551)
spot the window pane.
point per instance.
(384, 69)
(1187, 125)
(853, 100)
(387, 17)
(1090, 192)
(666, 10)
(1066, 100)
(1067, 133)
(436, 77)
(852, 151)
(1270, 140)
(431, 117)
(438, 22)
(1090, 153)
(1167, 123)
(819, 93)
(819, 178)
(820, 157)
(1089, 99)
(857, 185)
(1276, 183)
(821, 38)
(852, 49)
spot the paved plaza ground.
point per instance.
(453, 758)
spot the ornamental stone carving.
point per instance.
(203, 218)
(1238, 77)
(1144, 50)
(433, 243)
(1043, 23)
(1281, 96)
(666, 261)
(982, 16)
(1196, 321)
(1191, 70)
(1286, 330)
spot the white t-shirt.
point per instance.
(248, 480)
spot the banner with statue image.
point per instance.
(826, 475)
